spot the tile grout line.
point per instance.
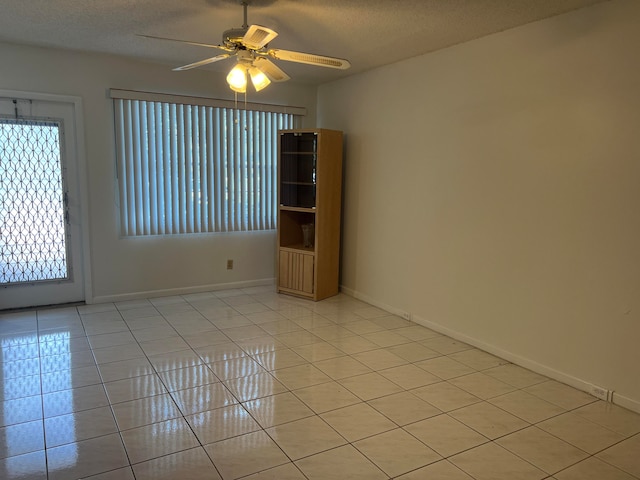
(168, 392)
(113, 415)
(44, 430)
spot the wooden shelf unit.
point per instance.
(309, 193)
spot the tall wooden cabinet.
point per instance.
(310, 201)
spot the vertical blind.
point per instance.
(192, 168)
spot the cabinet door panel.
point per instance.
(296, 271)
(307, 273)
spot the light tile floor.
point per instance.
(251, 384)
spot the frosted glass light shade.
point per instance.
(237, 78)
(258, 78)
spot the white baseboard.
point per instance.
(121, 297)
(507, 355)
(371, 301)
(626, 402)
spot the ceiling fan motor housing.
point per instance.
(233, 37)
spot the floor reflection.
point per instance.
(21, 389)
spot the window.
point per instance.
(188, 167)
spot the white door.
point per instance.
(40, 232)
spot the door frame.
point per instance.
(82, 172)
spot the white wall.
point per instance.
(493, 189)
(121, 267)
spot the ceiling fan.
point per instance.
(249, 44)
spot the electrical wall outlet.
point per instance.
(230, 264)
(602, 393)
(405, 315)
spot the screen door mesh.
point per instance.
(32, 203)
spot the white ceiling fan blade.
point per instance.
(198, 44)
(271, 70)
(206, 61)
(258, 36)
(309, 58)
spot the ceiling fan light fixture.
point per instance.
(258, 78)
(249, 44)
(237, 78)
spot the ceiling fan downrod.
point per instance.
(244, 6)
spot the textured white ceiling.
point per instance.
(368, 33)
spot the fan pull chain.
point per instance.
(236, 117)
(235, 104)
